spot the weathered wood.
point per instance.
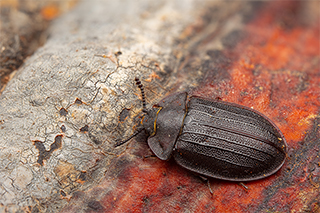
(60, 113)
(75, 98)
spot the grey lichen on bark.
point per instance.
(59, 115)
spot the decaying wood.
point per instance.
(60, 113)
(76, 97)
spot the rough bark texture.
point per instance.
(75, 97)
(23, 27)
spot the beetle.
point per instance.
(213, 138)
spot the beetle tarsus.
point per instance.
(244, 186)
(208, 183)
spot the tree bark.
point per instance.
(76, 97)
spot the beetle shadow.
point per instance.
(213, 183)
(139, 146)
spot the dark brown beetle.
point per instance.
(213, 138)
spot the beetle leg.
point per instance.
(119, 143)
(208, 183)
(244, 186)
(149, 156)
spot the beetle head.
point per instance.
(149, 119)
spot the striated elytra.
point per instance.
(213, 138)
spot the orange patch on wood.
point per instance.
(50, 12)
(152, 77)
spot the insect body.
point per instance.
(214, 138)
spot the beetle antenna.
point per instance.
(138, 82)
(119, 143)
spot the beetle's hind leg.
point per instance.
(208, 183)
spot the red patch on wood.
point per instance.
(275, 70)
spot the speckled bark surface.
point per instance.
(75, 97)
